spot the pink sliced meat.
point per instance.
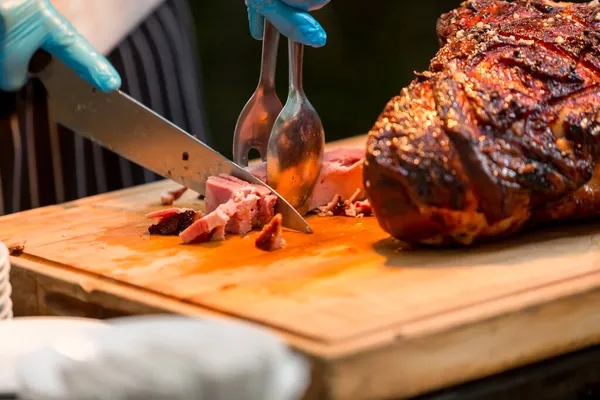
(222, 188)
(219, 190)
(211, 226)
(255, 204)
(246, 201)
(341, 174)
(265, 203)
(261, 189)
(266, 210)
(217, 234)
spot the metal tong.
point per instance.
(290, 139)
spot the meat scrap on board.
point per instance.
(169, 196)
(16, 247)
(271, 237)
(501, 132)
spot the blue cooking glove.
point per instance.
(290, 17)
(29, 25)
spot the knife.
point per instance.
(121, 124)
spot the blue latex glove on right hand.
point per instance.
(29, 25)
(290, 17)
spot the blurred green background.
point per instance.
(372, 50)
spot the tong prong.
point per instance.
(256, 120)
(242, 150)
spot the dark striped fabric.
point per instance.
(43, 164)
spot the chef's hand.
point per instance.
(290, 17)
(29, 25)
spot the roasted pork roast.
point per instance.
(500, 132)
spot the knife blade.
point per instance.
(123, 125)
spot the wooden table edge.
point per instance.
(79, 294)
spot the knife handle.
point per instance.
(40, 60)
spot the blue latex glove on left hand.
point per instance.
(290, 17)
(29, 25)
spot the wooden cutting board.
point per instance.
(379, 322)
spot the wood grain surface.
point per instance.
(378, 321)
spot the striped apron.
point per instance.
(42, 163)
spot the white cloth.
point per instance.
(104, 23)
(170, 357)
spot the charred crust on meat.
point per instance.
(173, 225)
(270, 238)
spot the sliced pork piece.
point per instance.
(211, 226)
(219, 190)
(271, 237)
(341, 174)
(173, 221)
(266, 209)
(169, 196)
(246, 216)
(256, 204)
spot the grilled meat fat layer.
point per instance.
(501, 131)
